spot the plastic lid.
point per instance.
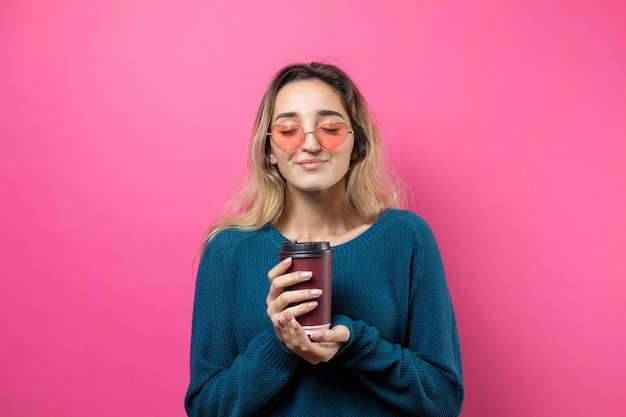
(303, 249)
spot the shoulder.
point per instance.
(233, 240)
(407, 227)
(229, 236)
(404, 220)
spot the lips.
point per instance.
(311, 163)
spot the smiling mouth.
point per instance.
(311, 163)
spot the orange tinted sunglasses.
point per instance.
(290, 137)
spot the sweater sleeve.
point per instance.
(423, 376)
(224, 381)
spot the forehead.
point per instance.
(308, 97)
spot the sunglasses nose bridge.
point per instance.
(305, 136)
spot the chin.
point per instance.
(318, 187)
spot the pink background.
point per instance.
(123, 125)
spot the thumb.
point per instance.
(339, 333)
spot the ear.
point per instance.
(273, 159)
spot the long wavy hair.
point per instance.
(370, 185)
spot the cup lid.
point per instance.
(301, 249)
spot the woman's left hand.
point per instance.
(321, 347)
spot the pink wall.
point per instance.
(123, 124)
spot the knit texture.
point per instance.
(389, 289)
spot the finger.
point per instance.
(285, 330)
(295, 297)
(279, 269)
(282, 282)
(339, 334)
(317, 335)
(291, 278)
(297, 310)
(295, 333)
(279, 325)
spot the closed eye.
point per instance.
(289, 132)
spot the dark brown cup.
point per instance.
(316, 257)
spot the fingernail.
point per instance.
(287, 261)
(294, 324)
(306, 274)
(316, 292)
(312, 304)
(315, 335)
(281, 322)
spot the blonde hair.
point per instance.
(370, 185)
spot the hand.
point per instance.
(321, 347)
(283, 306)
(280, 299)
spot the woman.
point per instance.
(317, 174)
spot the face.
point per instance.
(310, 167)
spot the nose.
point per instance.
(311, 143)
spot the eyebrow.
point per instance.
(319, 113)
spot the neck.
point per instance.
(318, 216)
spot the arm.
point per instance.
(224, 381)
(423, 375)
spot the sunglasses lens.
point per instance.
(287, 138)
(331, 135)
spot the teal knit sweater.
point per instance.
(389, 289)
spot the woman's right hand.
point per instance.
(283, 308)
(280, 300)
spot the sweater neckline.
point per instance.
(352, 245)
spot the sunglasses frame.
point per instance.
(269, 134)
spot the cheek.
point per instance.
(344, 164)
(341, 163)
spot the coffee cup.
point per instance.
(316, 257)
